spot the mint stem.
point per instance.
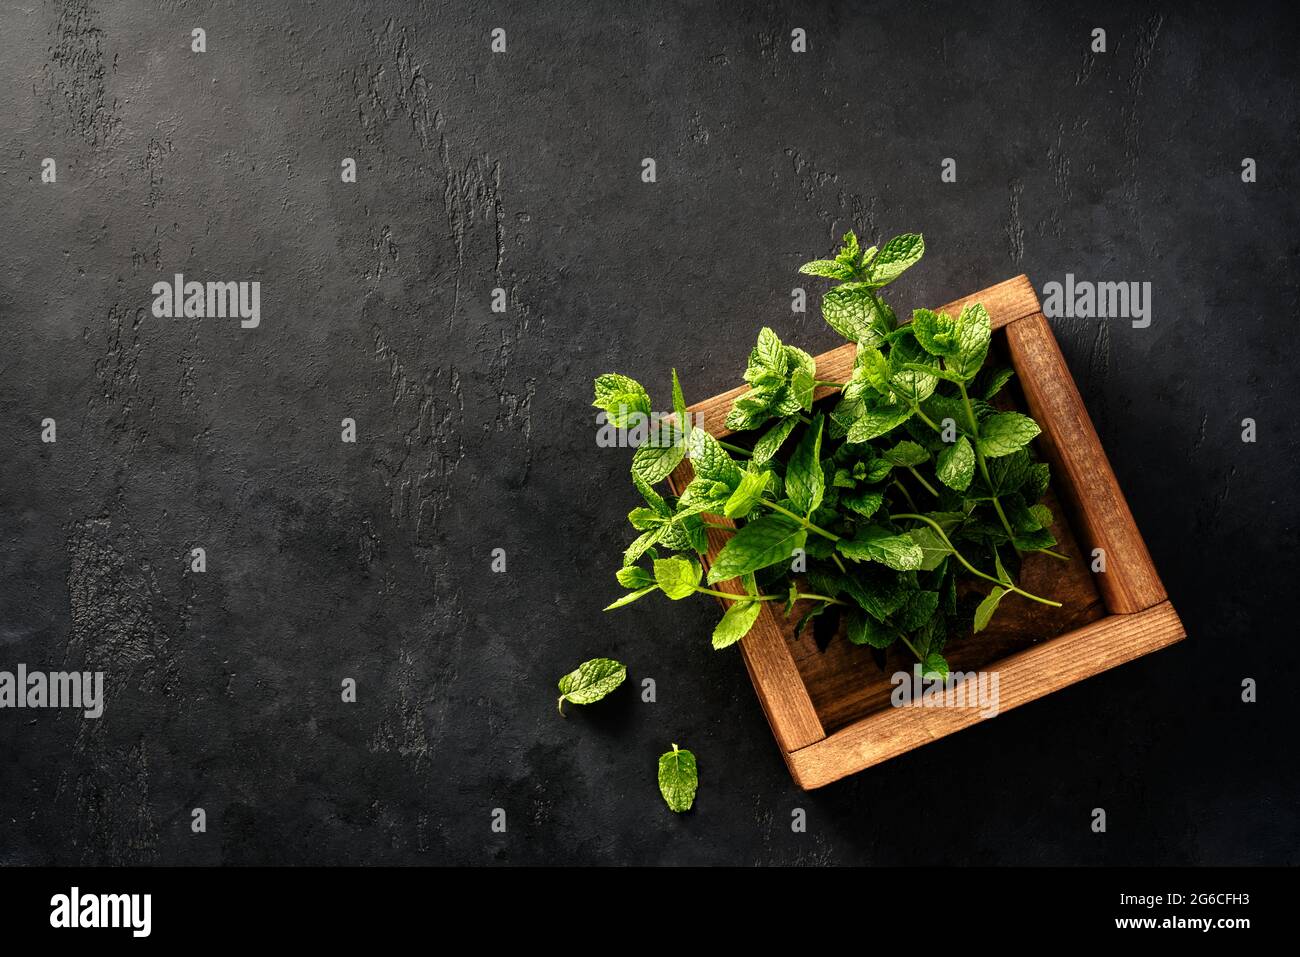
(984, 467)
(801, 520)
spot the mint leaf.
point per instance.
(678, 576)
(956, 465)
(711, 461)
(984, 613)
(747, 494)
(920, 607)
(935, 666)
(634, 576)
(759, 543)
(678, 779)
(770, 443)
(652, 463)
(1006, 432)
(829, 268)
(805, 483)
(768, 359)
(906, 453)
(874, 423)
(630, 597)
(936, 332)
(679, 404)
(895, 257)
(641, 544)
(623, 399)
(853, 312)
(996, 379)
(862, 629)
(591, 681)
(877, 544)
(865, 503)
(974, 332)
(933, 548)
(735, 624)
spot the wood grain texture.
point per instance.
(1006, 302)
(1080, 467)
(1023, 677)
(771, 667)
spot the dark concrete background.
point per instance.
(521, 170)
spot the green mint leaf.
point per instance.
(623, 399)
(829, 268)
(634, 576)
(906, 453)
(643, 519)
(895, 257)
(933, 548)
(865, 503)
(851, 252)
(873, 423)
(1042, 515)
(805, 483)
(591, 681)
(764, 541)
(920, 608)
(974, 332)
(641, 544)
(768, 358)
(956, 465)
(936, 332)
(735, 624)
(1006, 432)
(747, 494)
(913, 373)
(678, 779)
(984, 613)
(678, 576)
(770, 443)
(631, 597)
(873, 367)
(877, 544)
(652, 498)
(711, 461)
(853, 312)
(992, 381)
(935, 666)
(652, 463)
(877, 590)
(679, 403)
(1039, 477)
(862, 629)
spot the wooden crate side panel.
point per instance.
(1023, 677)
(1082, 471)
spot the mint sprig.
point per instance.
(889, 494)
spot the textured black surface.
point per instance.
(521, 171)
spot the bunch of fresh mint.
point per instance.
(870, 509)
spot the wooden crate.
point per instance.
(830, 710)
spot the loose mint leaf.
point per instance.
(974, 331)
(829, 268)
(759, 543)
(747, 494)
(874, 423)
(623, 399)
(933, 548)
(735, 624)
(1006, 432)
(895, 257)
(770, 443)
(936, 332)
(591, 681)
(653, 463)
(984, 613)
(805, 483)
(934, 666)
(711, 461)
(631, 597)
(956, 465)
(634, 576)
(678, 576)
(678, 779)
(877, 544)
(853, 312)
(906, 453)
